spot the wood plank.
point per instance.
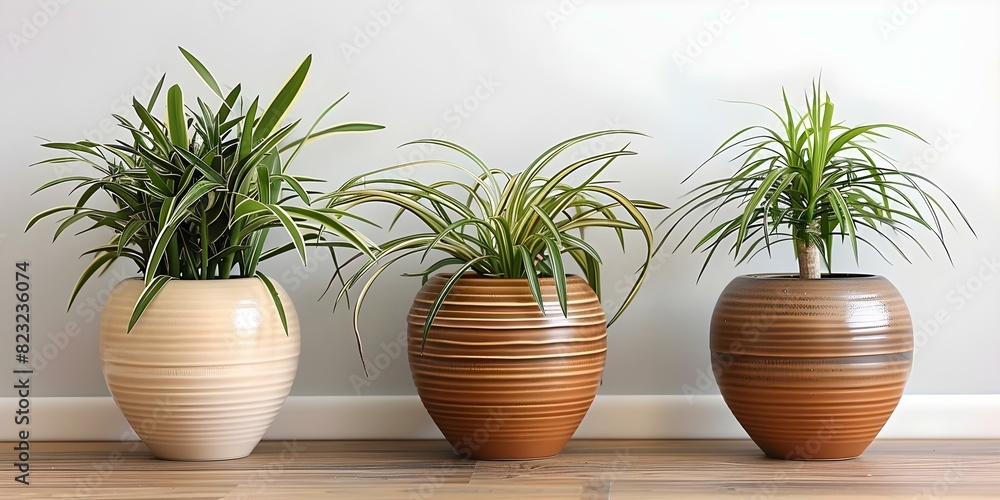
(691, 469)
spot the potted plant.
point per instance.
(201, 351)
(507, 349)
(812, 365)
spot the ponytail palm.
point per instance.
(813, 181)
(501, 224)
(194, 195)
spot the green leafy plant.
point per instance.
(812, 181)
(193, 196)
(499, 224)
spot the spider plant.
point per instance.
(193, 195)
(499, 224)
(812, 181)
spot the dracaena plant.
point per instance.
(193, 195)
(815, 182)
(501, 224)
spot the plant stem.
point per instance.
(226, 268)
(808, 253)
(206, 273)
(173, 257)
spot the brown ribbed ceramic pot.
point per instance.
(501, 379)
(204, 372)
(812, 369)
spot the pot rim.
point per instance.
(216, 280)
(251, 282)
(823, 276)
(475, 275)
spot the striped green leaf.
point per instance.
(149, 292)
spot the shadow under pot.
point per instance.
(811, 368)
(501, 379)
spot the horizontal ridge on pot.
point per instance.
(501, 379)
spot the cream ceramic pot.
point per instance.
(205, 370)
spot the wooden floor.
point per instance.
(586, 469)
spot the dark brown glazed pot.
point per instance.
(812, 369)
(501, 379)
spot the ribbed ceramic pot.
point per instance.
(500, 378)
(812, 369)
(204, 372)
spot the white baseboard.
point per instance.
(403, 417)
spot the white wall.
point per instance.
(558, 68)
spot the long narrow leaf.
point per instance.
(275, 299)
(149, 292)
